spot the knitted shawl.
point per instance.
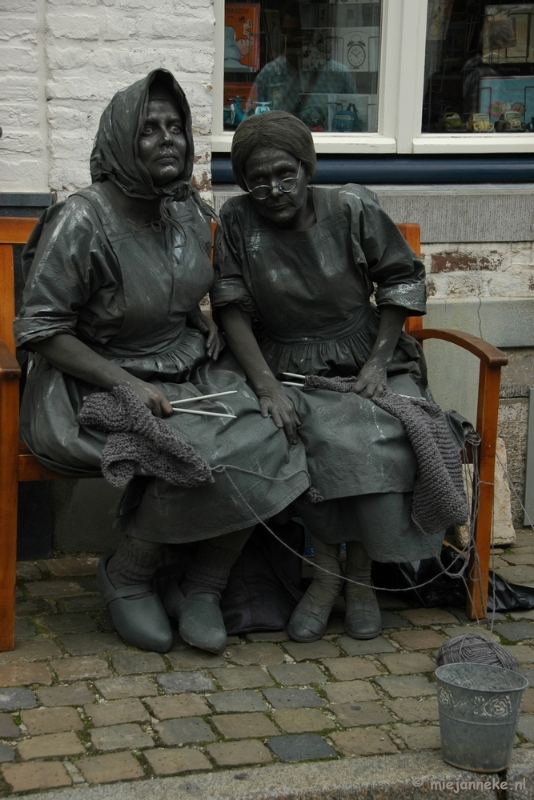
(138, 438)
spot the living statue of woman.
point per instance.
(114, 278)
(293, 291)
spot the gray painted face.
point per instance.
(162, 143)
(269, 165)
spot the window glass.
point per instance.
(479, 67)
(318, 61)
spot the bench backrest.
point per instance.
(16, 230)
(13, 230)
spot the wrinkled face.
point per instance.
(268, 166)
(162, 143)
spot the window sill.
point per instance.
(334, 143)
(473, 143)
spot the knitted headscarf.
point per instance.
(276, 129)
(115, 155)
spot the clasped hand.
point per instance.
(214, 343)
(276, 404)
(372, 380)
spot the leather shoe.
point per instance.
(309, 619)
(141, 622)
(201, 622)
(362, 616)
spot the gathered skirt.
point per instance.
(257, 472)
(358, 456)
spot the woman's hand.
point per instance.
(152, 397)
(273, 401)
(204, 324)
(372, 380)
(276, 404)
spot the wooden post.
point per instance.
(487, 419)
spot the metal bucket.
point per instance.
(479, 709)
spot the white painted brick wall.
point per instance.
(457, 270)
(61, 62)
(23, 163)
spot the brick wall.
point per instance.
(484, 269)
(61, 62)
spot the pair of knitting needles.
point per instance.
(202, 397)
(302, 378)
(292, 383)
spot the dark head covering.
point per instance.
(115, 155)
(276, 129)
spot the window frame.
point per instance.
(400, 98)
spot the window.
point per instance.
(380, 76)
(317, 60)
(479, 67)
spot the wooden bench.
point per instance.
(18, 464)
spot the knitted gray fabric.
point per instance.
(138, 437)
(439, 498)
(334, 384)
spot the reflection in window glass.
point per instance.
(479, 67)
(318, 61)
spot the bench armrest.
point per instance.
(486, 352)
(9, 366)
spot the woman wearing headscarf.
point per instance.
(114, 278)
(293, 291)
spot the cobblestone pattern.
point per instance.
(61, 63)
(101, 711)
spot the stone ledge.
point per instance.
(451, 213)
(395, 777)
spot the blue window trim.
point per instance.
(407, 169)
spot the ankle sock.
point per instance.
(358, 568)
(324, 587)
(213, 562)
(135, 561)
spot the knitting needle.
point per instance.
(201, 397)
(291, 383)
(204, 413)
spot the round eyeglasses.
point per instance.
(286, 185)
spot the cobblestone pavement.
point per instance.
(80, 707)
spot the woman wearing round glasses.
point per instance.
(294, 287)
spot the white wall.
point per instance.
(62, 60)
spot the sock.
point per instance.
(214, 560)
(358, 568)
(135, 561)
(324, 588)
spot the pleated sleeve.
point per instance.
(392, 265)
(63, 265)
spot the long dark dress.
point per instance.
(309, 292)
(120, 292)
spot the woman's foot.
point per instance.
(309, 619)
(196, 604)
(136, 611)
(199, 617)
(201, 622)
(362, 615)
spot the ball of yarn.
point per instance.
(476, 649)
